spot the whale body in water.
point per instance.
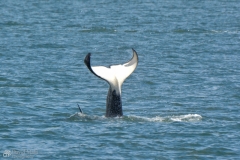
(115, 76)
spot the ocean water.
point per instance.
(182, 101)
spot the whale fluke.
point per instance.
(115, 76)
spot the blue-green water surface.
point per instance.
(182, 101)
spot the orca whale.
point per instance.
(115, 76)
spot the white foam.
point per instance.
(179, 118)
(186, 118)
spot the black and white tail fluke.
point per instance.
(115, 76)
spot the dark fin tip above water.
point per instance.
(80, 108)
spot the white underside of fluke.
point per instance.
(116, 74)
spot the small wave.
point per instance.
(199, 30)
(133, 118)
(221, 31)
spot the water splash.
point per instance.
(134, 118)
